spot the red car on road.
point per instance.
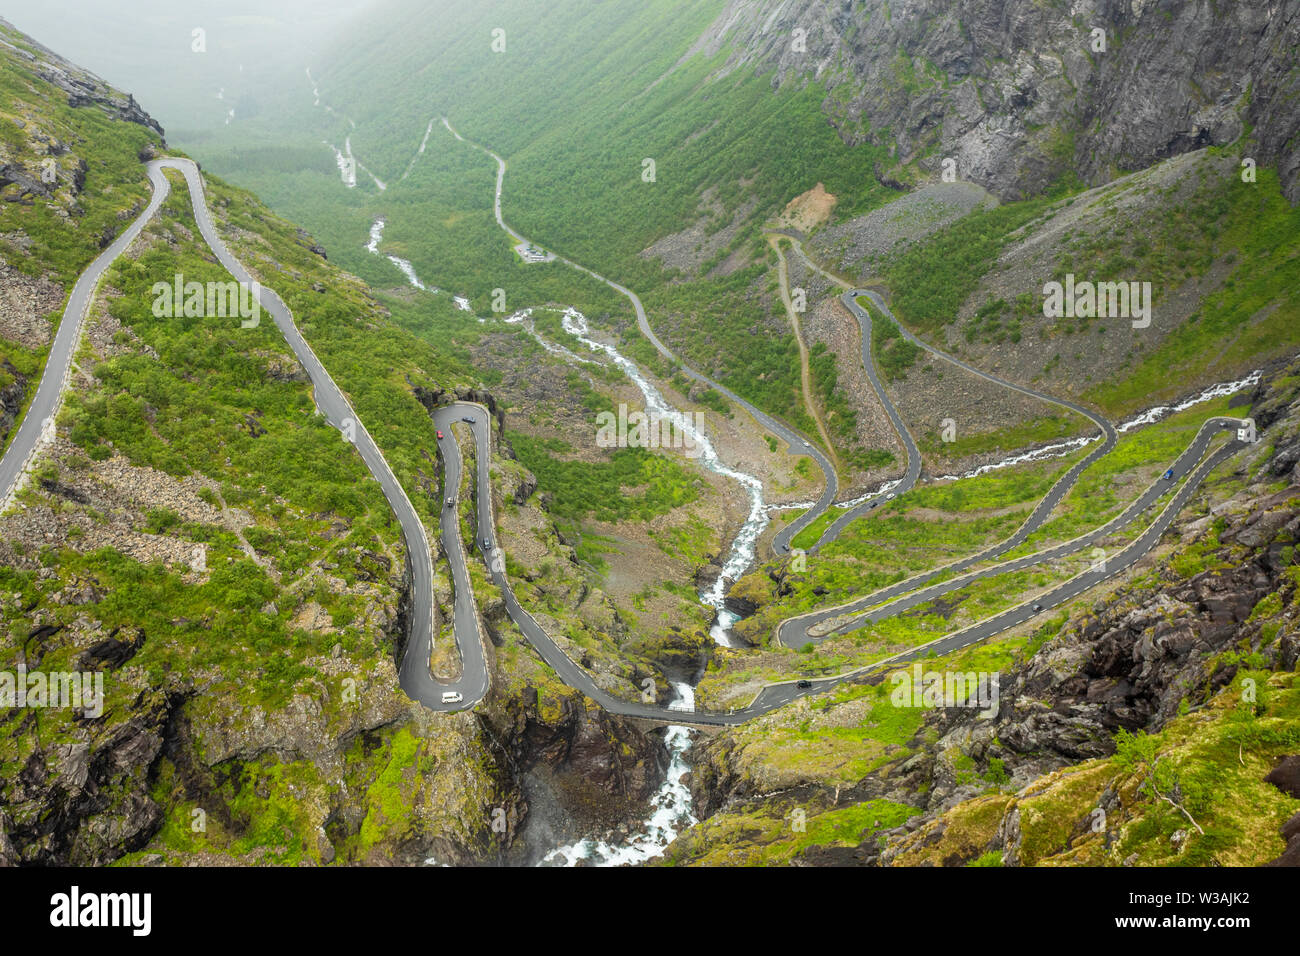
(439, 436)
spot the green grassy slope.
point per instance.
(580, 97)
(87, 164)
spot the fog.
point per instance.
(189, 62)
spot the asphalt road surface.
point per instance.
(913, 591)
(415, 678)
(777, 695)
(780, 694)
(38, 422)
(1039, 515)
(795, 632)
(913, 472)
(414, 673)
(494, 559)
(1114, 565)
(797, 442)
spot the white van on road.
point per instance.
(451, 697)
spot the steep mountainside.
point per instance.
(1176, 681)
(196, 533)
(1021, 93)
(66, 186)
(197, 536)
(730, 101)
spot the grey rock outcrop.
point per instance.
(83, 87)
(1017, 92)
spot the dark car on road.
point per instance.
(804, 684)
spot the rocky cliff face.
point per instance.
(1020, 93)
(377, 780)
(1156, 649)
(189, 764)
(575, 768)
(11, 399)
(1133, 662)
(83, 87)
(88, 803)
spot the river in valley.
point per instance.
(670, 807)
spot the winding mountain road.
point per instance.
(912, 592)
(913, 471)
(811, 627)
(797, 443)
(38, 422)
(794, 632)
(480, 423)
(782, 693)
(849, 298)
(414, 675)
(862, 612)
(414, 672)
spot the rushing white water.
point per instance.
(742, 549)
(347, 144)
(847, 503)
(657, 408)
(1214, 391)
(315, 92)
(885, 488)
(1150, 416)
(670, 807)
(347, 166)
(376, 235)
(408, 270)
(524, 317)
(1047, 451)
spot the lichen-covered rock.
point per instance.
(88, 803)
